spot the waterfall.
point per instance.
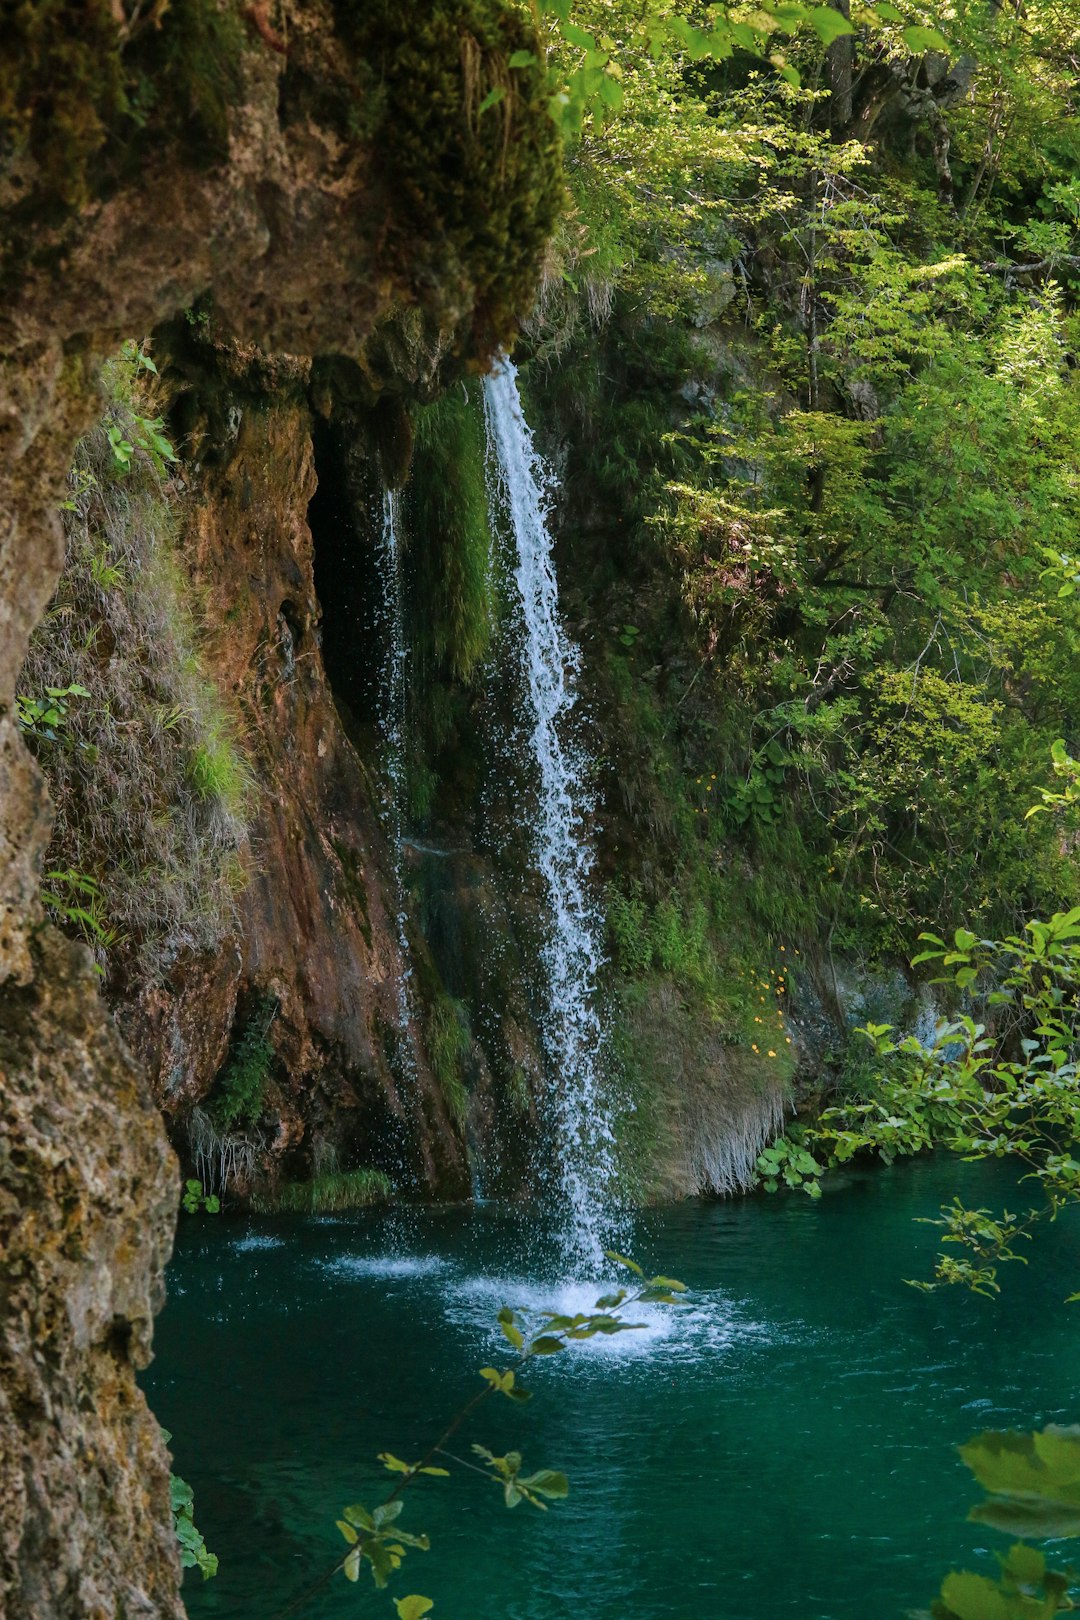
(573, 1029)
(392, 723)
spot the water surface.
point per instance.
(784, 1446)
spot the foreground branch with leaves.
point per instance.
(374, 1535)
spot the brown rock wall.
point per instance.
(286, 227)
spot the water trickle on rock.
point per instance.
(392, 725)
(573, 1028)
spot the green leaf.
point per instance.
(918, 40)
(357, 1514)
(578, 36)
(974, 1597)
(492, 99)
(546, 1345)
(1025, 1564)
(1010, 1464)
(413, 1606)
(621, 1260)
(829, 24)
(510, 1329)
(382, 1562)
(522, 59)
(1039, 1520)
(352, 1565)
(548, 1482)
(347, 1531)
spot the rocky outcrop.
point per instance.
(270, 173)
(87, 1201)
(317, 928)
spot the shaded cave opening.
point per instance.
(345, 516)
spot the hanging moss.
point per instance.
(448, 515)
(452, 602)
(471, 156)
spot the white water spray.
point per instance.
(573, 1030)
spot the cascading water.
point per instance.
(392, 723)
(573, 1031)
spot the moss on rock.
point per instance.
(473, 158)
(79, 83)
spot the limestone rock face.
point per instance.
(87, 1203)
(287, 220)
(317, 923)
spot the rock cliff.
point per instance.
(279, 167)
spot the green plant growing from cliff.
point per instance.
(374, 1535)
(196, 1199)
(46, 718)
(241, 1086)
(454, 607)
(193, 1549)
(76, 899)
(448, 1044)
(148, 780)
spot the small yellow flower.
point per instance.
(771, 1052)
(753, 1047)
(788, 1039)
(757, 1020)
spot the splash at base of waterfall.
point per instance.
(574, 1034)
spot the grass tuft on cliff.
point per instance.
(150, 785)
(325, 1194)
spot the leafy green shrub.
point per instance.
(628, 926)
(193, 1549)
(47, 717)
